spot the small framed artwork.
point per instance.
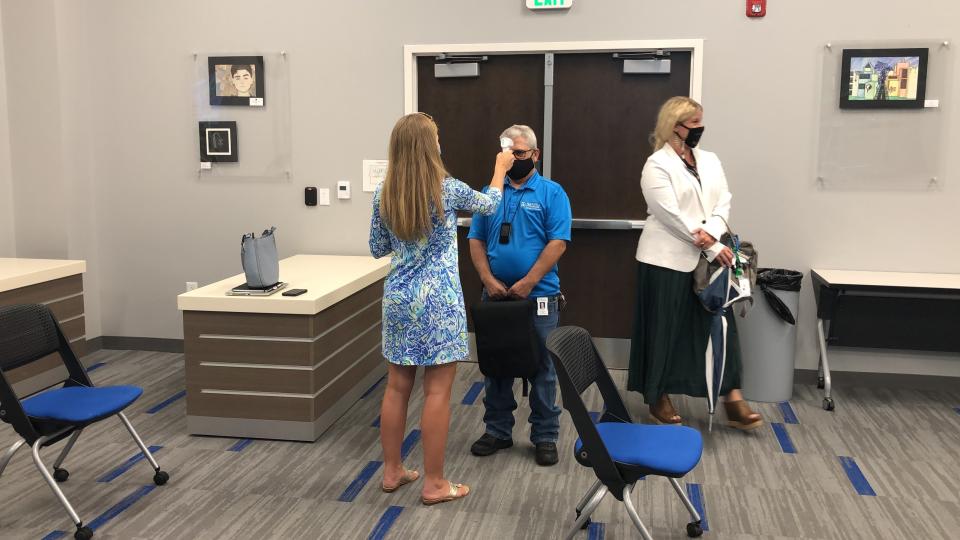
(236, 80)
(218, 142)
(883, 78)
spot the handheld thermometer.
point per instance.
(506, 143)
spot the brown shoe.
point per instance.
(663, 412)
(740, 416)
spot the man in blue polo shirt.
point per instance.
(515, 250)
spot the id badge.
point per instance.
(745, 286)
(505, 233)
(543, 306)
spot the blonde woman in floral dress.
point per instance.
(424, 320)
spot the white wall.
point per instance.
(33, 105)
(128, 138)
(7, 234)
(80, 135)
(47, 136)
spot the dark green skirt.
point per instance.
(670, 334)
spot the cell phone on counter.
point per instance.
(294, 292)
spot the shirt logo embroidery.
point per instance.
(531, 205)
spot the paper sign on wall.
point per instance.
(374, 171)
(549, 4)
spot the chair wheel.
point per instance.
(694, 530)
(820, 383)
(61, 475)
(160, 478)
(83, 533)
(828, 404)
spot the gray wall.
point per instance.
(120, 105)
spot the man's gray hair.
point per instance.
(522, 131)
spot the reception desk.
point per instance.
(58, 284)
(280, 367)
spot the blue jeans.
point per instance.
(500, 403)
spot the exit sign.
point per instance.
(549, 4)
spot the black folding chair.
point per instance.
(619, 451)
(27, 334)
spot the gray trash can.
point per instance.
(768, 336)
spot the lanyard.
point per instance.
(515, 210)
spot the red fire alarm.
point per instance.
(756, 8)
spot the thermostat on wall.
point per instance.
(343, 189)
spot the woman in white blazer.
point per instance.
(689, 205)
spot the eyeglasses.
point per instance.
(519, 154)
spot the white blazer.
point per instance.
(679, 205)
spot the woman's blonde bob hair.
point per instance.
(412, 192)
(676, 110)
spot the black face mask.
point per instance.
(693, 136)
(521, 168)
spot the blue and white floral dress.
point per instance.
(424, 319)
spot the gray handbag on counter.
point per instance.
(260, 261)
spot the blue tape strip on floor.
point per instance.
(361, 480)
(472, 394)
(595, 416)
(116, 509)
(96, 366)
(376, 422)
(110, 476)
(372, 388)
(166, 402)
(596, 531)
(111, 513)
(409, 443)
(789, 416)
(240, 445)
(856, 476)
(380, 531)
(786, 444)
(695, 492)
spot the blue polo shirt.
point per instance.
(538, 212)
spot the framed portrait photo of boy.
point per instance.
(236, 80)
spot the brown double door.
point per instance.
(600, 125)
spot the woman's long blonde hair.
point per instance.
(676, 110)
(413, 189)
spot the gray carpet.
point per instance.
(902, 444)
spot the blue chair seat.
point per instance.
(80, 404)
(667, 450)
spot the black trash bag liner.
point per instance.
(770, 279)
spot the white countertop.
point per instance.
(17, 273)
(890, 279)
(327, 278)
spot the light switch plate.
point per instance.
(323, 197)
